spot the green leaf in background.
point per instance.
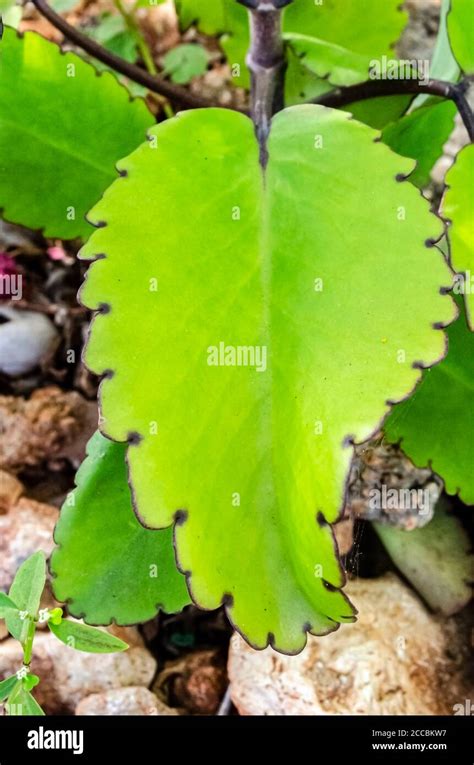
(335, 21)
(112, 32)
(436, 559)
(62, 129)
(443, 65)
(26, 590)
(22, 704)
(461, 33)
(6, 604)
(125, 572)
(62, 6)
(10, 13)
(6, 686)
(210, 15)
(185, 62)
(458, 207)
(421, 135)
(279, 265)
(327, 60)
(28, 584)
(441, 414)
(80, 637)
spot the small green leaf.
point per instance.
(26, 590)
(461, 33)
(56, 616)
(6, 605)
(113, 33)
(185, 62)
(125, 572)
(84, 638)
(458, 207)
(22, 704)
(6, 686)
(28, 584)
(421, 135)
(30, 682)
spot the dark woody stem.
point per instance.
(266, 62)
(377, 88)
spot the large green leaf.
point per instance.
(436, 426)
(255, 455)
(421, 135)
(458, 207)
(62, 129)
(125, 572)
(336, 21)
(461, 33)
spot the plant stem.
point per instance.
(28, 644)
(266, 62)
(144, 50)
(377, 88)
(175, 93)
(134, 29)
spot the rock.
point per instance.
(11, 490)
(396, 659)
(50, 424)
(124, 701)
(196, 681)
(25, 529)
(68, 676)
(26, 339)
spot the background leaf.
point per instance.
(436, 426)
(26, 590)
(458, 207)
(436, 559)
(6, 686)
(22, 704)
(184, 62)
(421, 135)
(461, 33)
(80, 637)
(240, 450)
(62, 128)
(124, 573)
(335, 21)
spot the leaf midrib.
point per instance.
(81, 158)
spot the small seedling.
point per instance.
(22, 613)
